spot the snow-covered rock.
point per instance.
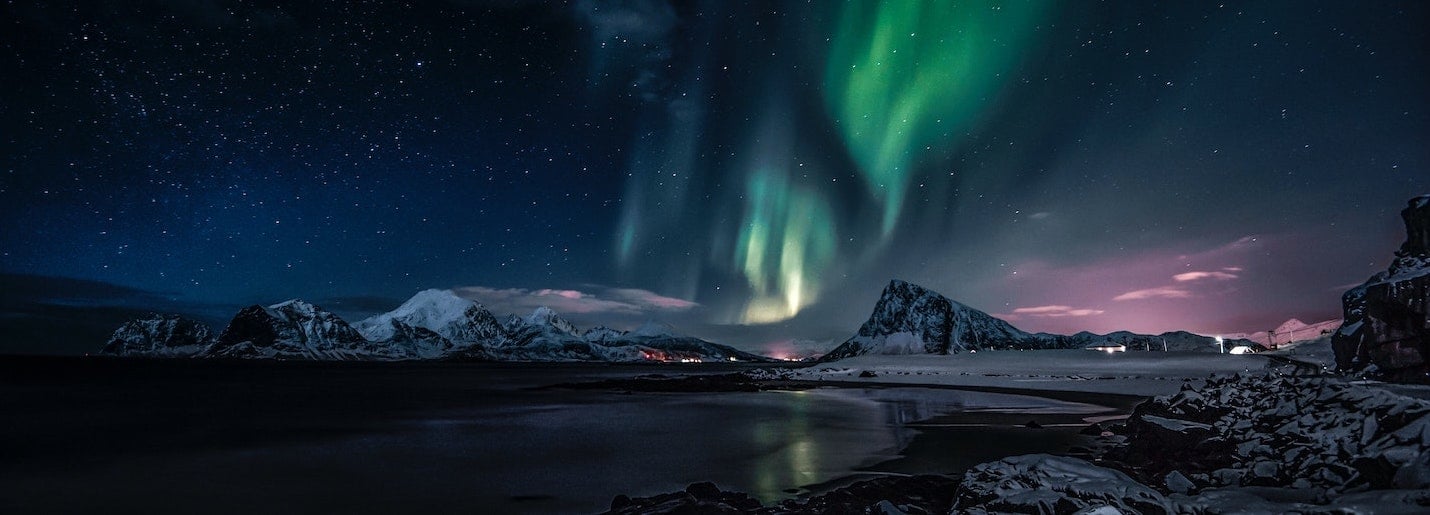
(1268, 430)
(409, 342)
(166, 336)
(1256, 443)
(1387, 319)
(1042, 483)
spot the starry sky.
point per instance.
(751, 172)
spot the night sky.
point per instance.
(751, 172)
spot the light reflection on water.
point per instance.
(533, 452)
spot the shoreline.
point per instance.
(939, 444)
(922, 456)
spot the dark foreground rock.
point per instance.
(1387, 319)
(1272, 431)
(927, 494)
(1238, 444)
(1259, 443)
(1041, 483)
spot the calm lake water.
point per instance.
(103, 435)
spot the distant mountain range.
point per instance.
(1291, 331)
(911, 319)
(439, 325)
(434, 324)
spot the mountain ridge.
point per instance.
(431, 325)
(911, 319)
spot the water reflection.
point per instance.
(801, 451)
(500, 448)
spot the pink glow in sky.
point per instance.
(1147, 291)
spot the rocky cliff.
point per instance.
(1387, 319)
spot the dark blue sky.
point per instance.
(752, 172)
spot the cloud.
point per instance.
(1182, 292)
(650, 299)
(621, 301)
(1160, 292)
(1199, 275)
(1056, 311)
(1051, 311)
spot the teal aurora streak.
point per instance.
(901, 78)
(909, 75)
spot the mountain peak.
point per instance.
(294, 305)
(464, 321)
(159, 335)
(434, 299)
(1290, 325)
(911, 319)
(547, 317)
(291, 329)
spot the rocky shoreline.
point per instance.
(1265, 442)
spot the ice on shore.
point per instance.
(1136, 373)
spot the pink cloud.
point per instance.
(1161, 292)
(650, 299)
(1149, 299)
(570, 294)
(1199, 275)
(1056, 311)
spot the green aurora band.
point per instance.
(786, 240)
(907, 75)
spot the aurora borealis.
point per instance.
(902, 77)
(752, 172)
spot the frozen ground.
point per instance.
(1317, 351)
(1137, 373)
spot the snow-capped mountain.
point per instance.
(159, 336)
(462, 322)
(433, 324)
(549, 321)
(289, 330)
(545, 336)
(911, 319)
